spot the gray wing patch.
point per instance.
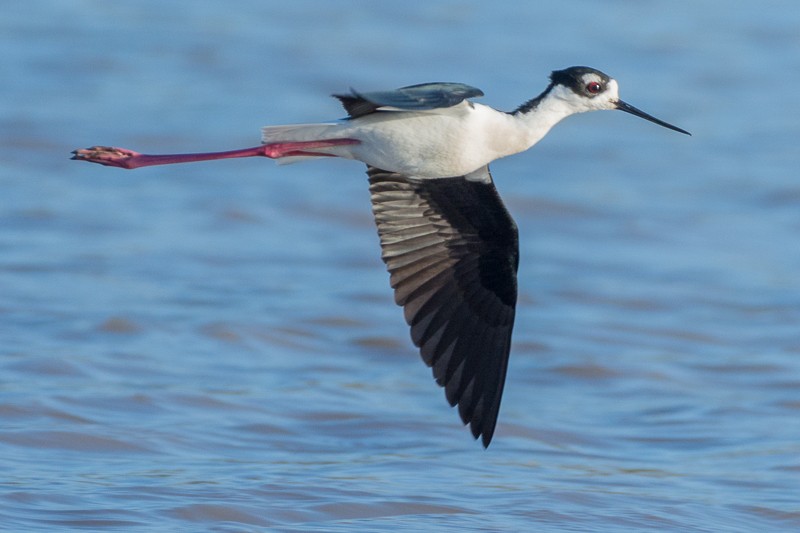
(420, 97)
(451, 249)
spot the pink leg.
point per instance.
(124, 158)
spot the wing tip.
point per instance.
(482, 428)
(486, 439)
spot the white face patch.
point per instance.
(608, 94)
(605, 98)
(591, 77)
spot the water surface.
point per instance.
(215, 346)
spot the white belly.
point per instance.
(433, 144)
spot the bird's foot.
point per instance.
(106, 155)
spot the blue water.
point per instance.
(214, 347)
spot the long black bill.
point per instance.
(622, 106)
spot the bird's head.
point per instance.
(587, 89)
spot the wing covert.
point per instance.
(424, 96)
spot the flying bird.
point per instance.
(449, 244)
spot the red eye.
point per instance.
(593, 87)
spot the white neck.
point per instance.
(554, 107)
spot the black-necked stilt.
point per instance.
(448, 242)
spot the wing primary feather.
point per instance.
(451, 249)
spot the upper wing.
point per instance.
(452, 251)
(413, 98)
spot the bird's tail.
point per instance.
(308, 141)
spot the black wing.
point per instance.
(412, 98)
(452, 251)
